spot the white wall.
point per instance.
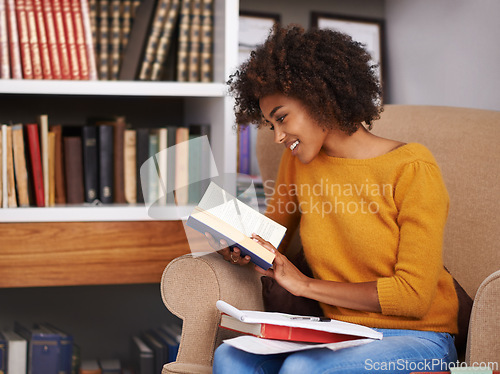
(443, 52)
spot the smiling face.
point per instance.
(293, 126)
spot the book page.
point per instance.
(260, 346)
(239, 215)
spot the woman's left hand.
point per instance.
(283, 271)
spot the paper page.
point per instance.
(239, 215)
(339, 327)
(260, 346)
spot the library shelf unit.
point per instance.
(113, 244)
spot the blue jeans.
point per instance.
(400, 351)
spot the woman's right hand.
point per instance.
(230, 254)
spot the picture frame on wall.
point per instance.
(254, 27)
(367, 31)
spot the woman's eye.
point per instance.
(281, 119)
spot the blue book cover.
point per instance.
(171, 344)
(44, 349)
(66, 347)
(3, 354)
(244, 150)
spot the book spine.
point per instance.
(129, 166)
(165, 41)
(142, 154)
(118, 155)
(3, 354)
(36, 163)
(114, 40)
(90, 173)
(194, 42)
(13, 36)
(182, 166)
(36, 60)
(60, 189)
(69, 27)
(126, 25)
(4, 42)
(20, 165)
(51, 36)
(93, 8)
(103, 39)
(244, 150)
(149, 54)
(183, 48)
(89, 36)
(11, 182)
(62, 44)
(43, 121)
(42, 40)
(162, 160)
(73, 165)
(3, 166)
(152, 177)
(206, 47)
(81, 46)
(105, 158)
(24, 39)
(52, 168)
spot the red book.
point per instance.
(61, 39)
(81, 46)
(4, 43)
(50, 30)
(42, 40)
(277, 332)
(71, 39)
(24, 39)
(15, 54)
(36, 163)
(36, 60)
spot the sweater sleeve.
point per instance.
(282, 206)
(422, 202)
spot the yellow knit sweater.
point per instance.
(378, 219)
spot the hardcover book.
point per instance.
(225, 217)
(105, 157)
(90, 159)
(17, 348)
(20, 165)
(73, 166)
(36, 163)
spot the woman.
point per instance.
(371, 210)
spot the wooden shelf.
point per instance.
(88, 253)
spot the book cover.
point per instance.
(171, 138)
(132, 57)
(36, 59)
(73, 168)
(52, 168)
(65, 347)
(174, 332)
(183, 47)
(225, 217)
(90, 166)
(164, 47)
(69, 28)
(43, 122)
(42, 40)
(152, 178)
(129, 166)
(351, 330)
(114, 39)
(198, 130)
(36, 164)
(79, 32)
(194, 42)
(3, 353)
(194, 170)
(142, 356)
(105, 157)
(43, 349)
(182, 166)
(17, 348)
(159, 18)
(87, 20)
(206, 42)
(171, 345)
(142, 155)
(24, 39)
(244, 150)
(4, 42)
(162, 161)
(11, 182)
(59, 175)
(20, 167)
(51, 36)
(160, 350)
(13, 37)
(118, 155)
(62, 43)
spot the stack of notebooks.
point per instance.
(101, 163)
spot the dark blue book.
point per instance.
(171, 344)
(44, 349)
(3, 354)
(66, 346)
(160, 350)
(142, 357)
(90, 163)
(106, 161)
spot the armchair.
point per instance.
(465, 144)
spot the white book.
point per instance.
(17, 348)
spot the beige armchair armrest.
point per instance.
(483, 341)
(190, 287)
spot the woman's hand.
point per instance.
(283, 271)
(231, 255)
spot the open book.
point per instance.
(225, 217)
(287, 332)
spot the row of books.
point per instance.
(46, 39)
(154, 348)
(106, 39)
(101, 162)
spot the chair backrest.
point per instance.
(465, 143)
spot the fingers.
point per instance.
(232, 255)
(264, 243)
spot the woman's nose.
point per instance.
(279, 136)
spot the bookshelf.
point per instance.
(114, 244)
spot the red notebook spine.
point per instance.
(36, 60)
(61, 39)
(15, 54)
(80, 39)
(42, 40)
(36, 163)
(70, 37)
(50, 30)
(24, 39)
